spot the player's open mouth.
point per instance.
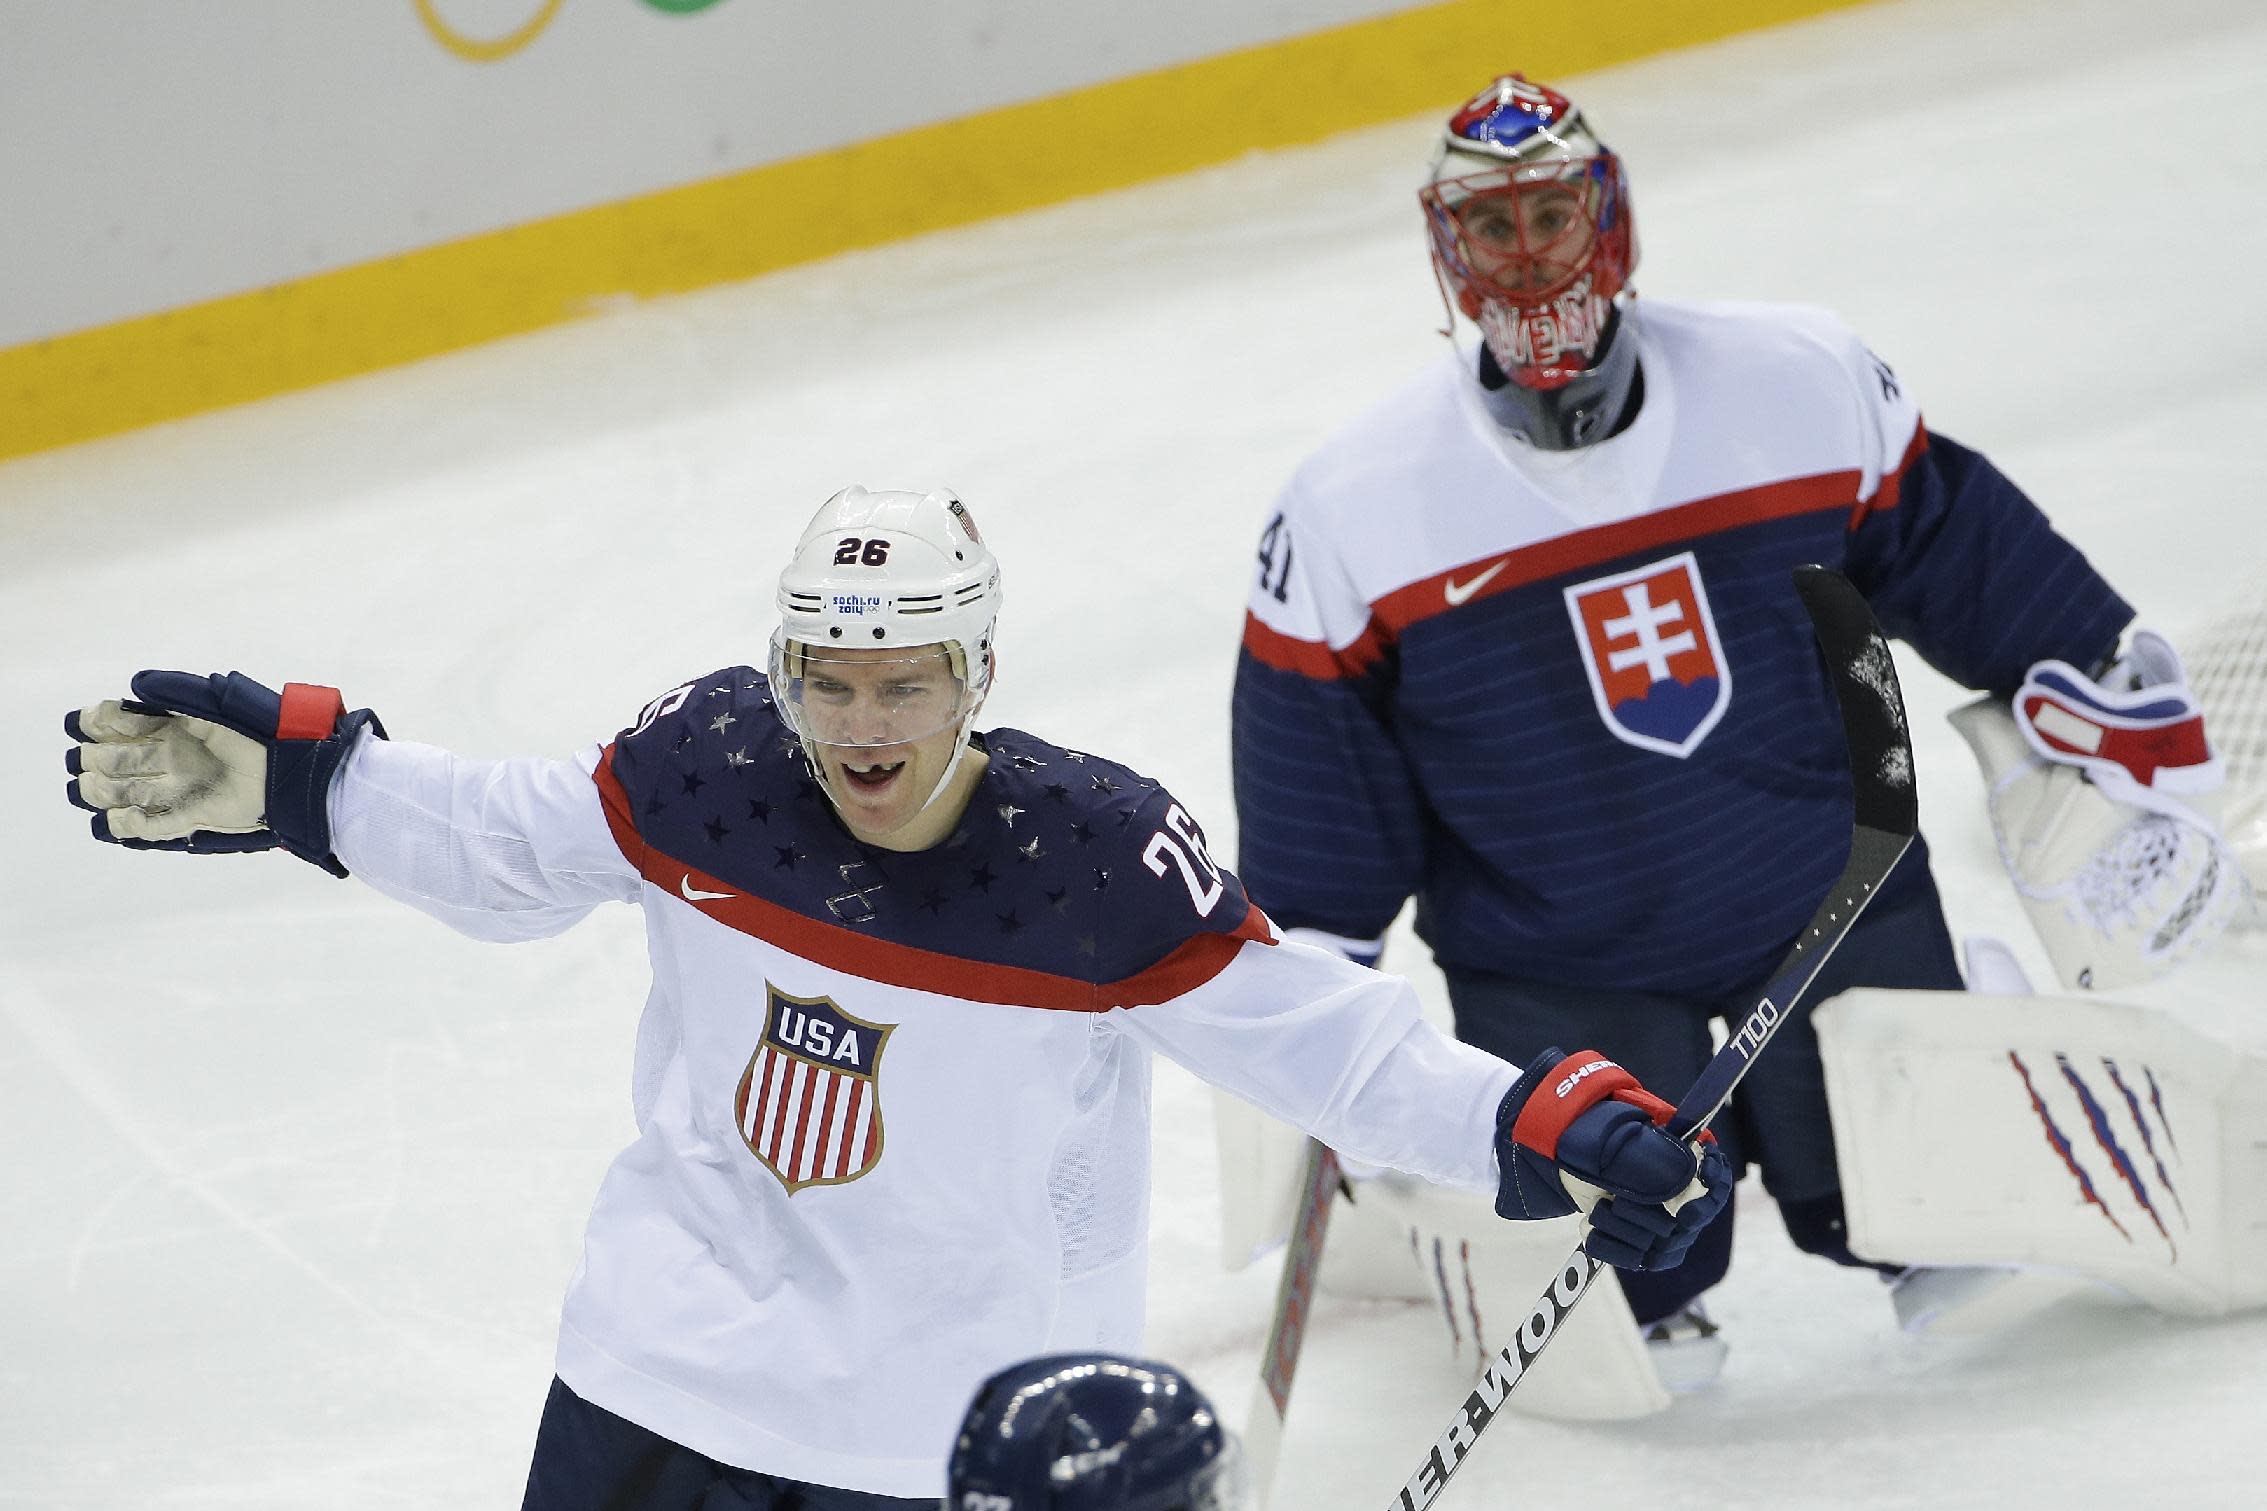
(874, 777)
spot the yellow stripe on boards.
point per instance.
(310, 330)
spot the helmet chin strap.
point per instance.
(959, 749)
(959, 656)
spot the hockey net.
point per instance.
(2227, 666)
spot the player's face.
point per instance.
(1527, 238)
(882, 724)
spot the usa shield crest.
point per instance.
(1649, 645)
(809, 1103)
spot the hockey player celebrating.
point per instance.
(891, 1086)
(1094, 1432)
(1522, 645)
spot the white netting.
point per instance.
(2227, 665)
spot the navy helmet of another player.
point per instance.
(1532, 240)
(1094, 1432)
(887, 613)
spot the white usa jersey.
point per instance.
(892, 1108)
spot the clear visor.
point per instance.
(868, 699)
(1521, 234)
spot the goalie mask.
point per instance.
(883, 653)
(1094, 1432)
(1532, 241)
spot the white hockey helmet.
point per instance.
(877, 572)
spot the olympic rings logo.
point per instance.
(490, 49)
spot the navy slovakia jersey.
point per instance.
(1569, 700)
(892, 1108)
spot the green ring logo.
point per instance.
(490, 50)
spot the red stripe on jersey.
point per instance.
(851, 1118)
(778, 1129)
(763, 1093)
(1195, 961)
(1312, 658)
(826, 1127)
(802, 1145)
(1428, 596)
(1885, 495)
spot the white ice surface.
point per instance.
(294, 1179)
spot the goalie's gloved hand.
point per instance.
(2137, 731)
(1578, 1132)
(214, 765)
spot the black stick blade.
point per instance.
(1864, 678)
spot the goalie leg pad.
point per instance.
(1480, 1274)
(1261, 1160)
(1779, 1116)
(2075, 1135)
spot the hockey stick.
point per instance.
(1271, 1395)
(1881, 775)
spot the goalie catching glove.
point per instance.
(214, 765)
(2103, 798)
(1579, 1132)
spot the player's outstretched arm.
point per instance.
(499, 850)
(1342, 1052)
(1579, 1131)
(214, 764)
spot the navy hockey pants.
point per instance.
(588, 1459)
(1777, 1120)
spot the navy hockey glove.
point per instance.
(214, 765)
(1577, 1130)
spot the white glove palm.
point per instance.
(167, 776)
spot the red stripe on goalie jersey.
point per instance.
(1469, 582)
(1892, 487)
(1197, 959)
(1565, 554)
(1288, 653)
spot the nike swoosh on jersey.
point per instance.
(692, 893)
(1457, 592)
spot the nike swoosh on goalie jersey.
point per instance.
(692, 893)
(1457, 592)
